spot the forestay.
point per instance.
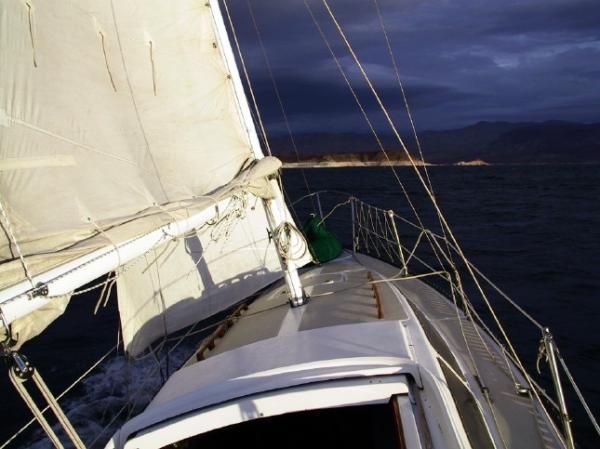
(116, 119)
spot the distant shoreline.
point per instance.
(499, 143)
(342, 164)
(296, 165)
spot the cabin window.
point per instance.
(360, 426)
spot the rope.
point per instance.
(533, 385)
(401, 86)
(64, 392)
(110, 77)
(191, 331)
(60, 416)
(39, 417)
(277, 93)
(13, 241)
(247, 77)
(421, 180)
(107, 237)
(236, 209)
(584, 403)
(105, 294)
(282, 237)
(366, 117)
(338, 205)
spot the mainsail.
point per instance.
(126, 144)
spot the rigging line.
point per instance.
(110, 77)
(466, 302)
(295, 215)
(369, 123)
(453, 291)
(407, 107)
(277, 94)
(338, 205)
(133, 101)
(257, 126)
(247, 76)
(420, 177)
(401, 85)
(143, 383)
(487, 280)
(191, 331)
(13, 241)
(379, 142)
(533, 385)
(65, 391)
(468, 308)
(18, 383)
(582, 400)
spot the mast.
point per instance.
(275, 210)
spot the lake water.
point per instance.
(534, 230)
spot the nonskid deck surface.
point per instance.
(358, 324)
(521, 421)
(340, 293)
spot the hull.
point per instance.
(361, 341)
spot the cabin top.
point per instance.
(357, 342)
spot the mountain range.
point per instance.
(493, 142)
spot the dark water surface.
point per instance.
(533, 230)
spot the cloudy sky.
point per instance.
(462, 61)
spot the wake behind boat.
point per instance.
(318, 347)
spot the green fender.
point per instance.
(324, 245)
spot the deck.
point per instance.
(359, 325)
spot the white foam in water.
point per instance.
(114, 385)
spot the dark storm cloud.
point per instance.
(461, 60)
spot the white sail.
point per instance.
(116, 119)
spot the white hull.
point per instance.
(334, 353)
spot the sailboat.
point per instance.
(130, 150)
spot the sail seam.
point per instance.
(68, 140)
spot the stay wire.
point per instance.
(247, 77)
(370, 124)
(431, 196)
(394, 62)
(64, 392)
(418, 172)
(278, 95)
